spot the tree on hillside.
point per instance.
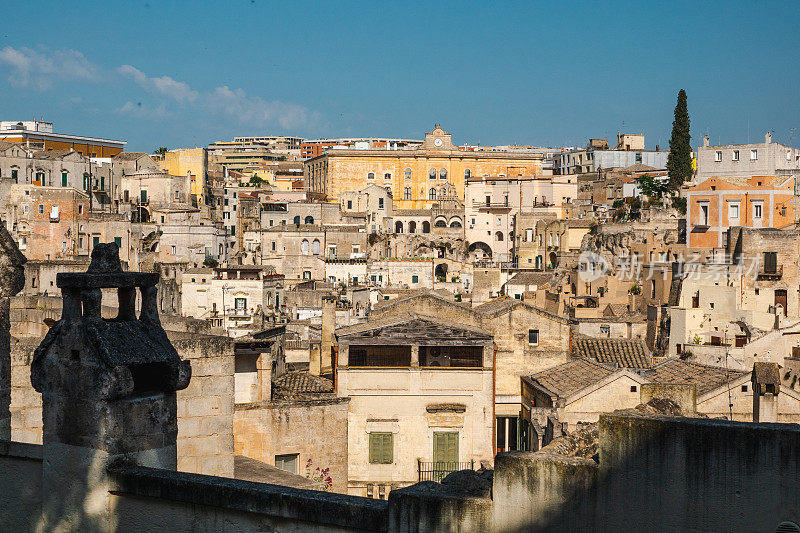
(679, 160)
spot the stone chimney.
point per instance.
(318, 364)
(108, 391)
(12, 280)
(766, 379)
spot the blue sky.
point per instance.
(182, 74)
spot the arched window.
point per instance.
(407, 173)
(412, 227)
(407, 193)
(499, 236)
(370, 175)
(315, 247)
(297, 220)
(309, 220)
(432, 194)
(442, 173)
(304, 247)
(441, 223)
(426, 227)
(467, 173)
(432, 173)
(398, 227)
(455, 223)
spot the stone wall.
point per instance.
(205, 407)
(316, 430)
(26, 403)
(20, 486)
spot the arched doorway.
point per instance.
(398, 227)
(412, 227)
(426, 227)
(480, 249)
(553, 260)
(441, 272)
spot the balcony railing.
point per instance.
(438, 470)
(775, 272)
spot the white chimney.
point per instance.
(768, 137)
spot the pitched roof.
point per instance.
(130, 156)
(623, 353)
(300, 382)
(496, 305)
(407, 328)
(5, 145)
(767, 373)
(706, 378)
(530, 278)
(570, 377)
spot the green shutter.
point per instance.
(445, 447)
(381, 448)
(374, 447)
(63, 179)
(118, 241)
(387, 449)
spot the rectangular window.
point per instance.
(174, 250)
(753, 155)
(381, 448)
(414, 279)
(735, 156)
(118, 241)
(758, 209)
(733, 210)
(703, 213)
(288, 462)
(240, 303)
(533, 336)
(380, 203)
(273, 246)
(349, 204)
(41, 209)
(718, 155)
(15, 175)
(95, 240)
(445, 447)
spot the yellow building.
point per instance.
(413, 176)
(191, 161)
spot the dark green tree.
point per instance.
(679, 160)
(161, 150)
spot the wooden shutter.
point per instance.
(387, 448)
(374, 447)
(445, 447)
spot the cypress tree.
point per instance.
(679, 159)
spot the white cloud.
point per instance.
(224, 101)
(39, 69)
(165, 85)
(141, 110)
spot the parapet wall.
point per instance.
(205, 407)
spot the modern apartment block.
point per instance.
(745, 160)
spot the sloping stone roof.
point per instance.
(623, 353)
(303, 382)
(129, 156)
(706, 378)
(531, 278)
(408, 328)
(767, 373)
(570, 377)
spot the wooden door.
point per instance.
(780, 299)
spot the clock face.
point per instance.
(437, 142)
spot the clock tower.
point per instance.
(438, 140)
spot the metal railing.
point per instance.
(438, 470)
